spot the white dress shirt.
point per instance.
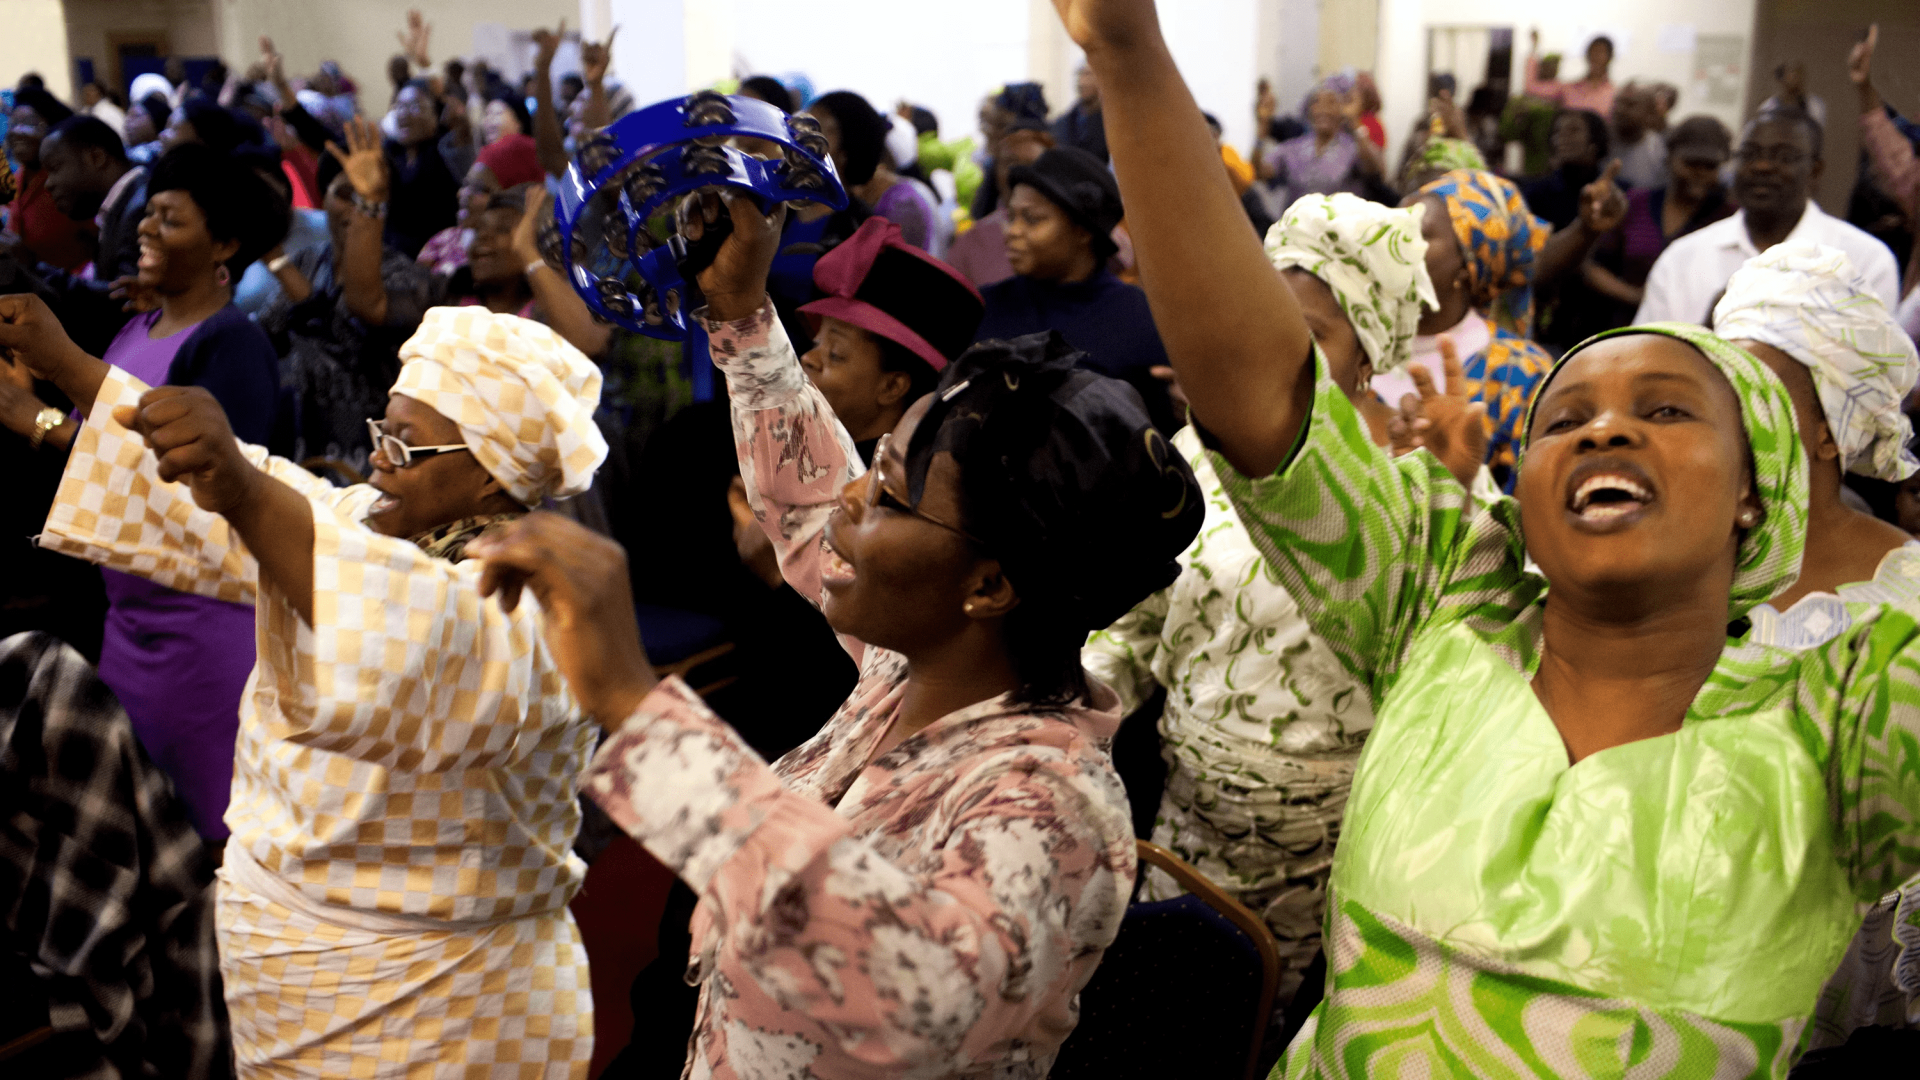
(1688, 278)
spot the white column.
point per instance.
(650, 51)
(1289, 49)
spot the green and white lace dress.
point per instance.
(1663, 908)
(1260, 733)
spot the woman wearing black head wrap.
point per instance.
(957, 827)
(1061, 213)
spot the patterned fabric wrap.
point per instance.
(1372, 257)
(450, 541)
(1500, 239)
(1448, 154)
(523, 397)
(1769, 556)
(1500, 1023)
(1809, 302)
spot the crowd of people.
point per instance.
(355, 562)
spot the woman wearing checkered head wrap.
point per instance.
(405, 781)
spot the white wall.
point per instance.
(360, 33)
(1646, 35)
(938, 56)
(1215, 43)
(35, 39)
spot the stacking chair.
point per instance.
(1185, 990)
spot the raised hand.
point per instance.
(546, 43)
(187, 431)
(413, 40)
(33, 337)
(1447, 423)
(596, 57)
(735, 284)
(1860, 59)
(1095, 24)
(276, 66)
(362, 161)
(580, 580)
(1603, 206)
(525, 240)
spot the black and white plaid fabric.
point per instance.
(105, 888)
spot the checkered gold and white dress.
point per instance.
(394, 900)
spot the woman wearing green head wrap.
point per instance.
(1590, 835)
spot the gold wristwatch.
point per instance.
(44, 421)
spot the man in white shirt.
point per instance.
(1778, 161)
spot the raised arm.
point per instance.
(1603, 206)
(1230, 324)
(359, 264)
(795, 457)
(549, 135)
(552, 295)
(595, 58)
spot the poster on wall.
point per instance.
(1719, 68)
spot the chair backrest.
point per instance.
(1185, 990)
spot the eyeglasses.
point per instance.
(399, 454)
(877, 494)
(1784, 156)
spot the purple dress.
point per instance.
(177, 662)
(1300, 171)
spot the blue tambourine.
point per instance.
(628, 171)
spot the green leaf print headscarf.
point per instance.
(1769, 556)
(1372, 257)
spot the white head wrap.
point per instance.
(523, 397)
(1809, 302)
(1372, 257)
(151, 83)
(902, 142)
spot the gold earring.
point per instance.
(967, 607)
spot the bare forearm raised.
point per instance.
(567, 313)
(360, 283)
(1230, 324)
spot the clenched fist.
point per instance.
(187, 431)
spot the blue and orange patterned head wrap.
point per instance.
(1499, 239)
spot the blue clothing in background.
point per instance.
(258, 287)
(1104, 317)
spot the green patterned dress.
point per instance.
(1663, 908)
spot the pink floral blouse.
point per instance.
(930, 912)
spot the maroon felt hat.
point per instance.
(880, 283)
